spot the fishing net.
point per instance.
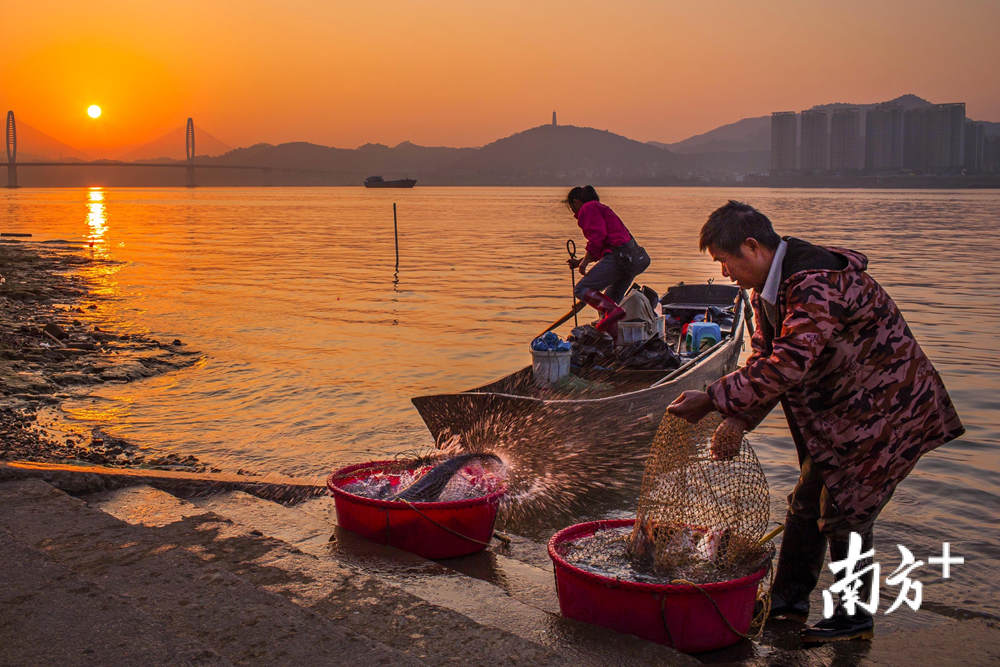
(698, 518)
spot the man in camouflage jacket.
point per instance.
(862, 400)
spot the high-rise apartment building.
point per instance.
(815, 144)
(915, 155)
(947, 137)
(784, 132)
(916, 150)
(846, 145)
(991, 155)
(884, 138)
(975, 146)
(930, 139)
(934, 138)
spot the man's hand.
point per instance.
(573, 262)
(691, 405)
(583, 265)
(727, 439)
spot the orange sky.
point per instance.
(465, 72)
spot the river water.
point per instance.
(313, 344)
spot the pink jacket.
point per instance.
(603, 229)
(863, 397)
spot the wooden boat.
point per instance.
(613, 417)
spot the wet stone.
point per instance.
(64, 379)
(42, 351)
(55, 331)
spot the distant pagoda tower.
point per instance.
(553, 119)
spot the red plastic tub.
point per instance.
(677, 615)
(432, 530)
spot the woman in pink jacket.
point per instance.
(619, 258)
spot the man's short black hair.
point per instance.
(733, 223)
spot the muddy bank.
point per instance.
(53, 342)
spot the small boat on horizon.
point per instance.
(379, 182)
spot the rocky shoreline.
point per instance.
(54, 343)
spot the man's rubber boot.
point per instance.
(796, 611)
(843, 626)
(610, 311)
(800, 561)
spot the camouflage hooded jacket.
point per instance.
(860, 395)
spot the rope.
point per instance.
(761, 617)
(765, 600)
(663, 617)
(441, 526)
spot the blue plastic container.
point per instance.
(700, 335)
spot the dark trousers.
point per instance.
(615, 271)
(812, 522)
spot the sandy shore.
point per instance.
(53, 344)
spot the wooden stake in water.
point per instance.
(395, 233)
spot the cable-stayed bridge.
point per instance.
(189, 164)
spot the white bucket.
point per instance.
(632, 332)
(550, 366)
(660, 327)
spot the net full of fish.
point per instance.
(461, 477)
(699, 519)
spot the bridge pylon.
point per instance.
(189, 151)
(11, 136)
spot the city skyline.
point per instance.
(457, 74)
(904, 135)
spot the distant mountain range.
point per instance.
(171, 146)
(36, 146)
(544, 155)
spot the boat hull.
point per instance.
(483, 418)
(402, 183)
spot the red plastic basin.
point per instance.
(677, 615)
(432, 530)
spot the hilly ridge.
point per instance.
(549, 155)
(543, 155)
(171, 146)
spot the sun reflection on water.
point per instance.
(102, 276)
(97, 218)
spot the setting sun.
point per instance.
(94, 111)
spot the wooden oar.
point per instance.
(580, 305)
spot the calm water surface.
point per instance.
(313, 345)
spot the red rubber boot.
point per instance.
(610, 311)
